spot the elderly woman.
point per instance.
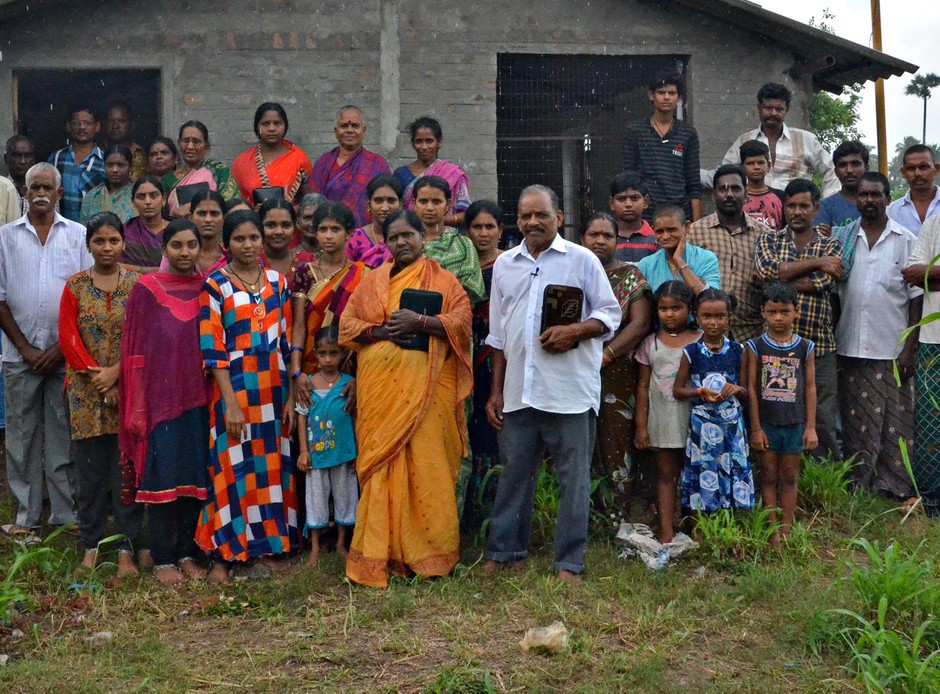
(162, 157)
(322, 288)
(343, 173)
(196, 172)
(411, 425)
(614, 452)
(427, 138)
(274, 162)
(306, 238)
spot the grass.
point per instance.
(730, 616)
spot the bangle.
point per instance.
(684, 267)
(610, 352)
(369, 334)
(696, 392)
(297, 374)
(423, 319)
(296, 349)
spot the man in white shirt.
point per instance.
(38, 253)
(546, 384)
(925, 462)
(794, 153)
(922, 200)
(877, 307)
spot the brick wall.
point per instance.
(220, 59)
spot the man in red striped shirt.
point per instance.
(629, 197)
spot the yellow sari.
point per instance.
(411, 430)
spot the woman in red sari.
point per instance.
(274, 161)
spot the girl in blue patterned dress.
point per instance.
(717, 473)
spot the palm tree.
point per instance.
(920, 86)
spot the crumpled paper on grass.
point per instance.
(639, 542)
(553, 638)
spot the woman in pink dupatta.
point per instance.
(164, 419)
(427, 138)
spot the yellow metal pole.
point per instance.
(879, 91)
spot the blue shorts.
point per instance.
(784, 439)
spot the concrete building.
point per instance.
(526, 91)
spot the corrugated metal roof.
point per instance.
(851, 62)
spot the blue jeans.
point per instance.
(526, 437)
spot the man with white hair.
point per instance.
(38, 253)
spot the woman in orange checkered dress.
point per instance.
(244, 314)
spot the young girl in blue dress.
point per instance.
(717, 473)
(328, 447)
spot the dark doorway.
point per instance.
(44, 97)
(560, 120)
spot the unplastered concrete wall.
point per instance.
(397, 59)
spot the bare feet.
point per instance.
(144, 560)
(568, 577)
(775, 539)
(125, 565)
(313, 558)
(490, 566)
(274, 563)
(192, 570)
(666, 538)
(169, 575)
(219, 574)
(90, 560)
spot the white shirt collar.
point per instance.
(557, 244)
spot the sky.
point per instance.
(908, 31)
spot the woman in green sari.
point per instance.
(196, 171)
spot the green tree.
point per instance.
(920, 87)
(898, 184)
(834, 118)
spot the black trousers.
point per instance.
(173, 530)
(98, 473)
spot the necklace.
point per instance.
(329, 384)
(662, 133)
(250, 286)
(780, 343)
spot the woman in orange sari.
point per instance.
(411, 428)
(274, 162)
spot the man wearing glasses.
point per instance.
(81, 163)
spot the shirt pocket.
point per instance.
(66, 261)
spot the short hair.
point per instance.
(269, 106)
(313, 200)
(432, 182)
(478, 207)
(431, 124)
(276, 204)
(199, 125)
(539, 189)
(774, 90)
(712, 294)
(727, 170)
(754, 148)
(16, 139)
(122, 104)
(626, 180)
(413, 220)
(336, 211)
(235, 219)
(606, 216)
(670, 210)
(43, 167)
(350, 107)
(850, 147)
(801, 185)
(383, 180)
(122, 151)
(103, 219)
(667, 78)
(87, 108)
(154, 181)
(205, 194)
(918, 149)
(675, 289)
(328, 335)
(877, 177)
(780, 293)
(164, 140)
(177, 226)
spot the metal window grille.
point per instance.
(560, 120)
